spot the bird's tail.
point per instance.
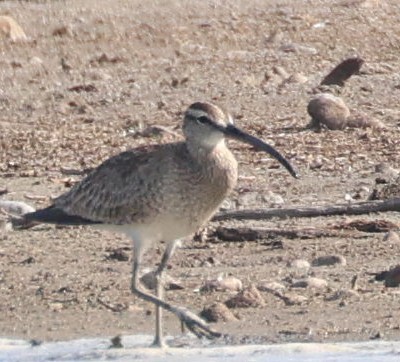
(55, 215)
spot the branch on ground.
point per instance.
(359, 208)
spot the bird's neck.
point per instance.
(217, 163)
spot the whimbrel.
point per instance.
(161, 193)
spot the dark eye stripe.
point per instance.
(204, 120)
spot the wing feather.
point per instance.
(126, 188)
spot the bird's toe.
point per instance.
(197, 325)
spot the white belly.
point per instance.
(165, 229)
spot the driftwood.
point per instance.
(251, 234)
(257, 233)
(359, 208)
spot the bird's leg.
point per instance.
(159, 339)
(194, 323)
(159, 274)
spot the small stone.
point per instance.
(62, 30)
(222, 284)
(10, 28)
(148, 279)
(36, 61)
(280, 71)
(329, 111)
(297, 48)
(274, 37)
(96, 74)
(254, 199)
(35, 342)
(361, 120)
(328, 260)
(273, 199)
(311, 282)
(116, 342)
(248, 199)
(377, 335)
(361, 194)
(249, 297)
(392, 237)
(361, 3)
(297, 78)
(387, 171)
(118, 254)
(217, 312)
(5, 226)
(300, 264)
(15, 208)
(343, 294)
(390, 277)
(56, 307)
(226, 205)
(266, 286)
(389, 190)
(295, 299)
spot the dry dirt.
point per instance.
(96, 76)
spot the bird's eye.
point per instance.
(203, 120)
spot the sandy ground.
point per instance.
(97, 77)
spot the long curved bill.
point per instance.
(233, 132)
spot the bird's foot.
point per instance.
(195, 324)
(159, 343)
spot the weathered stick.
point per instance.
(359, 208)
(257, 233)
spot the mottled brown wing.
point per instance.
(125, 188)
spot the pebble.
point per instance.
(280, 71)
(56, 307)
(328, 110)
(266, 286)
(10, 28)
(297, 78)
(15, 208)
(5, 226)
(295, 299)
(311, 282)
(392, 237)
(327, 260)
(217, 312)
(222, 284)
(343, 294)
(332, 112)
(297, 48)
(300, 264)
(391, 277)
(249, 297)
(273, 199)
(253, 199)
(62, 30)
(149, 281)
(386, 170)
(364, 121)
(36, 61)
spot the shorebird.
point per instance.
(160, 193)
